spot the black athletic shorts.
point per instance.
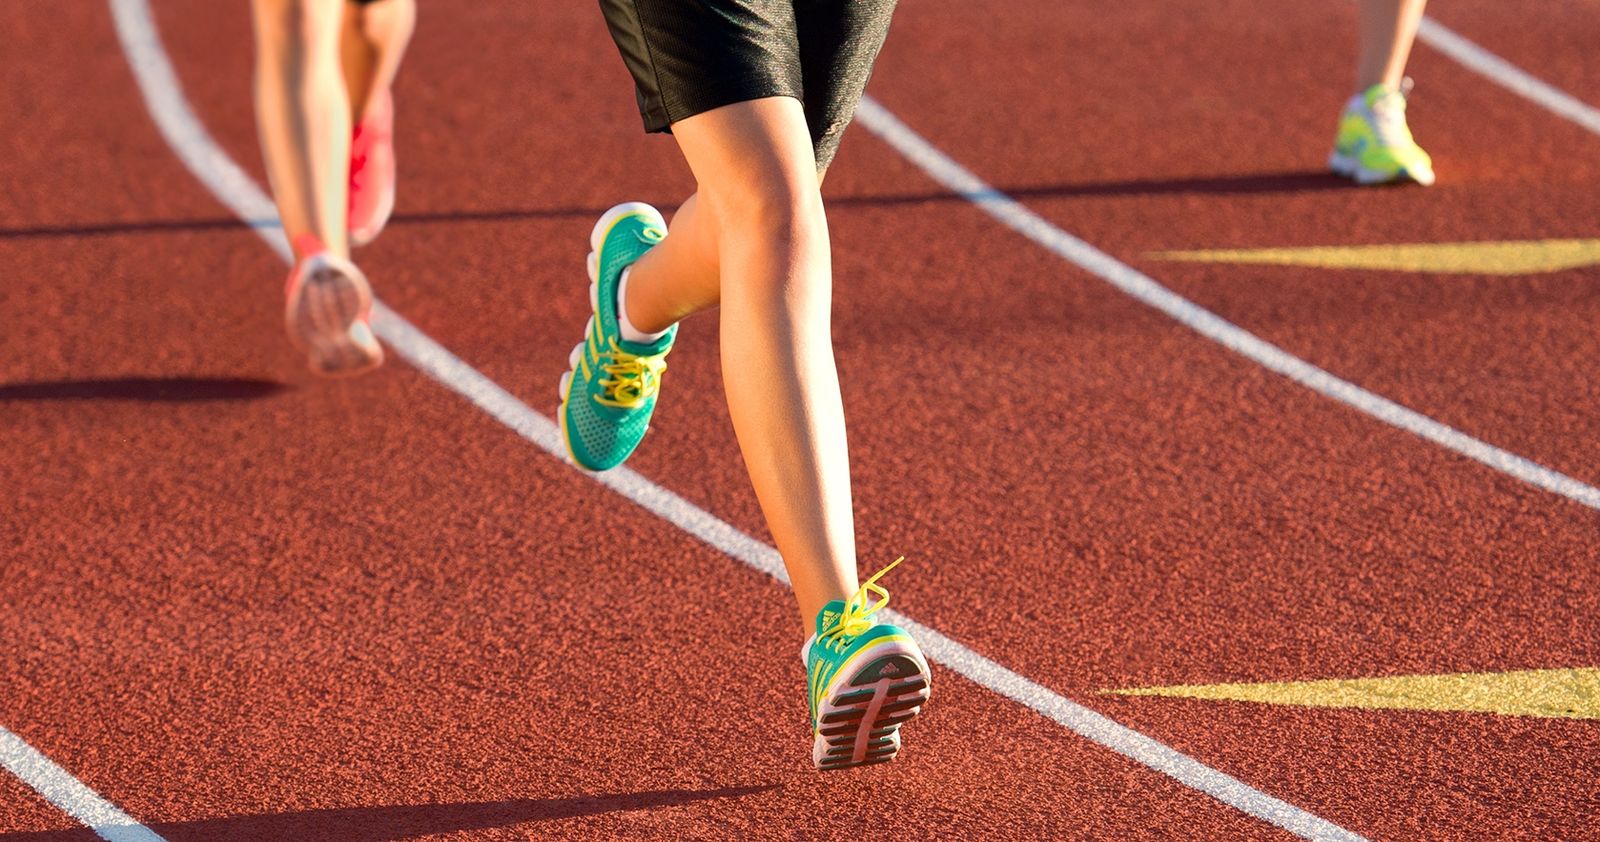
(690, 56)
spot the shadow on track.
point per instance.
(1298, 181)
(1232, 185)
(161, 226)
(382, 824)
(151, 389)
(144, 226)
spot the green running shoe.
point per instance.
(609, 392)
(1374, 145)
(865, 679)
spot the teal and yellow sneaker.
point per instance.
(609, 392)
(1374, 145)
(865, 680)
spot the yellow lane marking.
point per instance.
(1525, 257)
(1555, 693)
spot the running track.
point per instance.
(244, 604)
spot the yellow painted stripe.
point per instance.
(1555, 693)
(1526, 257)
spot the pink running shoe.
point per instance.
(329, 304)
(372, 171)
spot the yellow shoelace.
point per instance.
(856, 618)
(633, 378)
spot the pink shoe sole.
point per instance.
(327, 312)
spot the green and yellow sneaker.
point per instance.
(865, 679)
(609, 392)
(1374, 145)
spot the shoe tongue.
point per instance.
(650, 349)
(1381, 98)
(1388, 107)
(829, 615)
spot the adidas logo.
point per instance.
(889, 669)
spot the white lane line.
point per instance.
(211, 166)
(60, 788)
(458, 376)
(1507, 75)
(1014, 215)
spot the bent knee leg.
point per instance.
(782, 213)
(754, 164)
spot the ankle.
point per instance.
(626, 325)
(305, 245)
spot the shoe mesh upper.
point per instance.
(602, 436)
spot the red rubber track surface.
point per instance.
(246, 604)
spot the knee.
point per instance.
(773, 244)
(782, 213)
(296, 26)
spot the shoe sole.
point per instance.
(1351, 168)
(597, 235)
(858, 723)
(561, 414)
(326, 316)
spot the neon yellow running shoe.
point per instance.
(1374, 145)
(865, 679)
